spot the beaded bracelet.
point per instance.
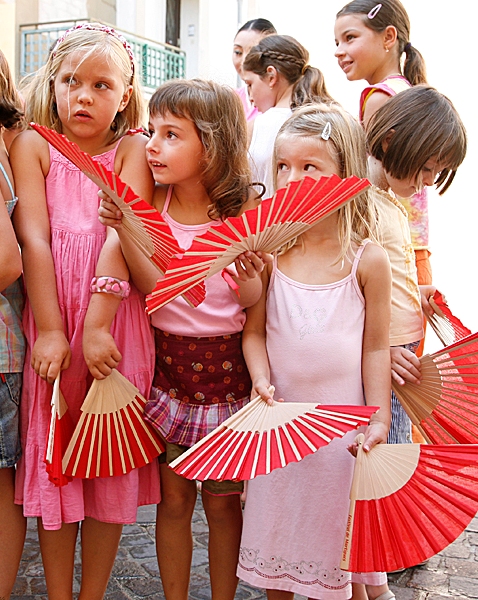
(110, 285)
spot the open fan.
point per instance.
(407, 503)
(111, 437)
(143, 222)
(448, 328)
(59, 434)
(260, 438)
(444, 406)
(276, 221)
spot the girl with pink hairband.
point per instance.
(89, 92)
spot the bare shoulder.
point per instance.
(129, 142)
(374, 102)
(374, 263)
(30, 146)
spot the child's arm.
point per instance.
(426, 292)
(10, 260)
(375, 277)
(254, 344)
(30, 163)
(249, 267)
(99, 348)
(406, 366)
(374, 102)
(143, 273)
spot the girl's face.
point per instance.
(298, 157)
(261, 91)
(360, 51)
(89, 92)
(175, 152)
(405, 188)
(243, 42)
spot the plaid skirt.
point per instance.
(198, 383)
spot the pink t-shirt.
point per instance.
(249, 108)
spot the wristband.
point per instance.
(110, 285)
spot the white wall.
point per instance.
(448, 46)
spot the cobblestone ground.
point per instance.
(451, 574)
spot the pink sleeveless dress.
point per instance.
(76, 241)
(295, 518)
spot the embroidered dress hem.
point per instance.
(183, 423)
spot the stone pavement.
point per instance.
(451, 574)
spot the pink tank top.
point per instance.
(314, 338)
(219, 314)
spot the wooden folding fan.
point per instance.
(444, 406)
(276, 221)
(59, 434)
(143, 222)
(407, 503)
(448, 328)
(111, 437)
(262, 437)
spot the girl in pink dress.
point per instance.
(198, 156)
(88, 91)
(318, 334)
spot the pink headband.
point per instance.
(105, 29)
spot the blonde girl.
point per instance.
(279, 79)
(198, 156)
(12, 346)
(318, 334)
(89, 91)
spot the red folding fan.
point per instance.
(262, 437)
(143, 222)
(111, 437)
(407, 503)
(59, 434)
(444, 406)
(276, 221)
(448, 328)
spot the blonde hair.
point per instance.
(218, 115)
(11, 112)
(346, 146)
(41, 105)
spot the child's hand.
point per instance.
(405, 366)
(51, 354)
(426, 292)
(108, 213)
(376, 433)
(251, 264)
(100, 352)
(265, 390)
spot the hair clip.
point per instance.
(373, 13)
(327, 131)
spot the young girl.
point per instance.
(279, 79)
(371, 41)
(250, 34)
(318, 334)
(198, 156)
(416, 139)
(12, 348)
(88, 91)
